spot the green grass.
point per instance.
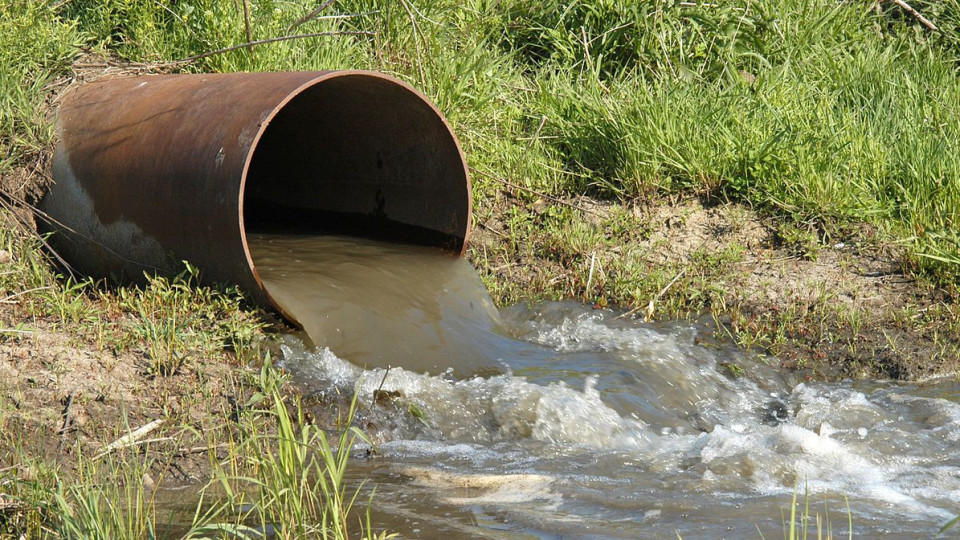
(821, 113)
(35, 46)
(169, 321)
(797, 525)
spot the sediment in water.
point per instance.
(378, 304)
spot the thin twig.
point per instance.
(310, 16)
(27, 229)
(59, 224)
(538, 193)
(650, 306)
(501, 234)
(8, 504)
(916, 14)
(154, 440)
(377, 392)
(196, 57)
(200, 449)
(246, 24)
(179, 18)
(530, 143)
(416, 41)
(534, 139)
(8, 299)
(341, 16)
(593, 262)
(384, 379)
(112, 63)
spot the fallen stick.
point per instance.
(10, 298)
(916, 14)
(501, 234)
(131, 438)
(593, 262)
(651, 305)
(246, 23)
(200, 449)
(316, 12)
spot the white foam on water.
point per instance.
(878, 444)
(503, 407)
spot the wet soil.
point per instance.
(830, 308)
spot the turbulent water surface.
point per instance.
(585, 424)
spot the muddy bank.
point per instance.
(64, 398)
(831, 306)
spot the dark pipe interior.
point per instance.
(360, 155)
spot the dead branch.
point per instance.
(30, 231)
(53, 221)
(208, 54)
(652, 305)
(246, 24)
(186, 451)
(916, 14)
(131, 438)
(11, 299)
(501, 234)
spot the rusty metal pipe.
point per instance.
(154, 170)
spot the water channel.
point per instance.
(561, 421)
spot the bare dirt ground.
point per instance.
(63, 397)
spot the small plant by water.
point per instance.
(797, 525)
(291, 481)
(282, 477)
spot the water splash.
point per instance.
(585, 423)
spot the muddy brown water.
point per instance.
(560, 421)
(382, 304)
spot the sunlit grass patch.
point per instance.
(35, 46)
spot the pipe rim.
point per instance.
(321, 77)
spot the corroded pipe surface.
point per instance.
(154, 170)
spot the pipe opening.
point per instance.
(361, 155)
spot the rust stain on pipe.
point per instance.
(154, 170)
